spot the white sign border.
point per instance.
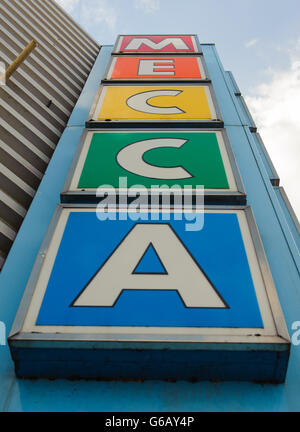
(274, 330)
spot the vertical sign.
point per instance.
(171, 292)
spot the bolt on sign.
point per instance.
(155, 44)
(153, 162)
(172, 103)
(120, 290)
(156, 68)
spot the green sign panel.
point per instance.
(186, 158)
(149, 159)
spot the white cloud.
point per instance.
(275, 107)
(68, 5)
(147, 6)
(251, 43)
(97, 12)
(91, 12)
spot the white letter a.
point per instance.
(182, 272)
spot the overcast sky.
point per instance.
(258, 40)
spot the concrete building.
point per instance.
(37, 100)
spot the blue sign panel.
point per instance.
(214, 255)
(117, 294)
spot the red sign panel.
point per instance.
(157, 44)
(132, 67)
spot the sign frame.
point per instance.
(26, 345)
(195, 40)
(216, 121)
(233, 196)
(109, 80)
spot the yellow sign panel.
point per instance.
(155, 102)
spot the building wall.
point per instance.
(36, 102)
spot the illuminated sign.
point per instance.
(152, 160)
(159, 67)
(109, 285)
(156, 103)
(156, 44)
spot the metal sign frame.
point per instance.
(234, 195)
(274, 331)
(215, 122)
(110, 67)
(194, 37)
(98, 352)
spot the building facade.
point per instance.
(36, 101)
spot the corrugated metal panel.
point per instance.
(37, 101)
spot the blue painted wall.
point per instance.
(280, 247)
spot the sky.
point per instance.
(258, 40)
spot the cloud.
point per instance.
(275, 106)
(147, 6)
(251, 43)
(91, 12)
(97, 12)
(68, 5)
